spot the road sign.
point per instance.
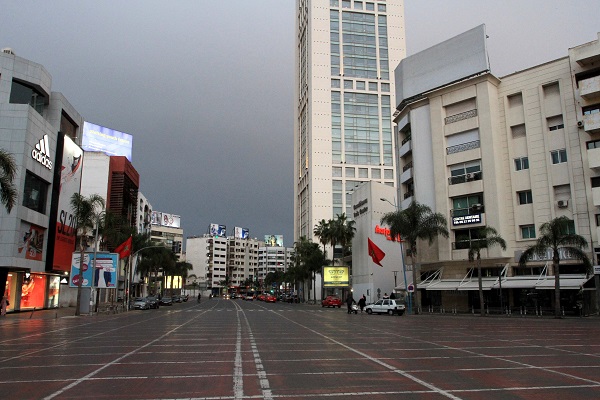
(411, 288)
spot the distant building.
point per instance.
(272, 259)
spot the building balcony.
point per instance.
(469, 177)
(594, 158)
(406, 147)
(589, 88)
(460, 117)
(475, 144)
(591, 123)
(596, 196)
(407, 173)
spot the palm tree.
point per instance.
(85, 213)
(554, 236)
(182, 268)
(416, 222)
(486, 237)
(347, 231)
(8, 170)
(323, 231)
(225, 283)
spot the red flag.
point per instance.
(124, 249)
(376, 253)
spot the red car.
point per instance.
(332, 301)
(270, 298)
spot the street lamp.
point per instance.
(402, 258)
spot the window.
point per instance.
(360, 85)
(35, 193)
(348, 84)
(335, 83)
(373, 86)
(593, 145)
(521, 163)
(595, 181)
(597, 219)
(23, 94)
(525, 197)
(465, 172)
(518, 131)
(370, 7)
(464, 237)
(385, 87)
(345, 3)
(336, 172)
(555, 123)
(570, 228)
(363, 173)
(589, 110)
(559, 156)
(461, 206)
(376, 173)
(388, 174)
(349, 172)
(528, 231)
(381, 7)
(358, 5)
(334, 3)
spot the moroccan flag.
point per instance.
(124, 249)
(376, 253)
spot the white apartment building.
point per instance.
(208, 256)
(346, 51)
(511, 153)
(242, 260)
(166, 229)
(273, 258)
(144, 215)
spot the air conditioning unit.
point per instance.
(562, 203)
(470, 176)
(477, 207)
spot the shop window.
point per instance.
(35, 193)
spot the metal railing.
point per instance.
(461, 116)
(475, 144)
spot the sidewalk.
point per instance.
(52, 313)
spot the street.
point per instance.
(235, 349)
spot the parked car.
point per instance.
(386, 306)
(270, 298)
(140, 303)
(152, 302)
(331, 301)
(176, 298)
(185, 298)
(166, 301)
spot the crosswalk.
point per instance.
(257, 310)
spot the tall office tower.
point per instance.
(346, 52)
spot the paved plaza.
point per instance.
(232, 349)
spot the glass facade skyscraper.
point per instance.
(346, 51)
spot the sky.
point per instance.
(206, 87)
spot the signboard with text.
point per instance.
(336, 276)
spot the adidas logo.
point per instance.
(41, 153)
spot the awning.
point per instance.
(455, 284)
(519, 282)
(567, 282)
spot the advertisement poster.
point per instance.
(274, 240)
(106, 140)
(336, 277)
(218, 230)
(70, 183)
(241, 233)
(33, 291)
(104, 272)
(32, 241)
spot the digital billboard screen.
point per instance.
(218, 230)
(274, 240)
(106, 140)
(241, 233)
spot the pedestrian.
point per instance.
(385, 296)
(362, 303)
(349, 301)
(393, 295)
(199, 297)
(3, 304)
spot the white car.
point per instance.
(141, 304)
(386, 306)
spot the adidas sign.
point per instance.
(41, 153)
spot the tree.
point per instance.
(182, 269)
(555, 236)
(153, 260)
(323, 231)
(85, 213)
(416, 222)
(309, 260)
(486, 238)
(8, 170)
(225, 283)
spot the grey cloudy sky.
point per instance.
(206, 86)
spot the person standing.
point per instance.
(349, 301)
(362, 303)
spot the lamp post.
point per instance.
(402, 258)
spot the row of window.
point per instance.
(358, 5)
(360, 85)
(464, 237)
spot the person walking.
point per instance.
(349, 301)
(199, 297)
(362, 303)
(3, 304)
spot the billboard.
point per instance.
(274, 240)
(106, 140)
(336, 277)
(457, 58)
(241, 233)
(165, 219)
(104, 271)
(218, 230)
(70, 183)
(32, 244)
